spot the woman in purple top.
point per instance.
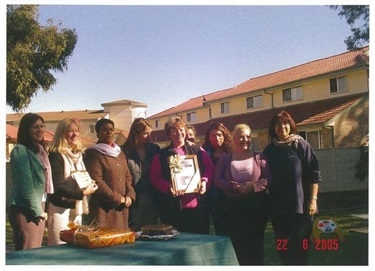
(186, 212)
(294, 189)
(244, 176)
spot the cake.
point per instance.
(156, 230)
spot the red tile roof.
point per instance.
(11, 133)
(305, 71)
(305, 113)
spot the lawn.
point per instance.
(352, 251)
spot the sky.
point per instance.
(163, 55)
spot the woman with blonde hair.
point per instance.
(243, 175)
(66, 156)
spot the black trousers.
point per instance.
(248, 221)
(292, 232)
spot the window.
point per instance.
(313, 137)
(255, 101)
(191, 117)
(292, 94)
(157, 123)
(92, 129)
(337, 84)
(209, 113)
(224, 108)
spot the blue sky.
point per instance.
(163, 55)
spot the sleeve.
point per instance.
(130, 192)
(220, 179)
(209, 169)
(62, 187)
(156, 175)
(23, 180)
(311, 170)
(265, 178)
(109, 198)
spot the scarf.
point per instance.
(291, 141)
(74, 162)
(42, 154)
(106, 149)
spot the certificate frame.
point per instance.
(185, 173)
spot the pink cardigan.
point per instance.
(261, 175)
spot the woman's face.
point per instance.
(106, 133)
(72, 135)
(282, 130)
(144, 136)
(190, 135)
(216, 138)
(242, 140)
(37, 131)
(177, 136)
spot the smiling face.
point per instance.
(37, 131)
(282, 130)
(242, 140)
(216, 138)
(106, 133)
(144, 136)
(177, 136)
(72, 135)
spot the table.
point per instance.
(184, 249)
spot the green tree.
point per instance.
(34, 52)
(358, 19)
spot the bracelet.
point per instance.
(312, 197)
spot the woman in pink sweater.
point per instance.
(243, 175)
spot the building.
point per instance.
(122, 112)
(328, 98)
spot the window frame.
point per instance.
(255, 104)
(224, 108)
(335, 86)
(191, 117)
(295, 95)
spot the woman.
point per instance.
(31, 176)
(190, 133)
(106, 164)
(244, 176)
(66, 156)
(139, 151)
(294, 189)
(217, 142)
(183, 211)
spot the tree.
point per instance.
(33, 53)
(361, 32)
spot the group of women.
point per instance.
(132, 184)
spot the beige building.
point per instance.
(122, 112)
(328, 98)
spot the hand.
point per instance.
(128, 201)
(312, 207)
(203, 188)
(245, 188)
(175, 193)
(42, 217)
(90, 189)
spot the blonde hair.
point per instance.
(59, 142)
(238, 127)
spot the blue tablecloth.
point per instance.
(184, 249)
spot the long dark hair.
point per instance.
(138, 125)
(282, 117)
(227, 144)
(23, 134)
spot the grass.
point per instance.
(352, 251)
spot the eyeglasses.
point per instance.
(35, 126)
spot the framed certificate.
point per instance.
(185, 173)
(82, 178)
